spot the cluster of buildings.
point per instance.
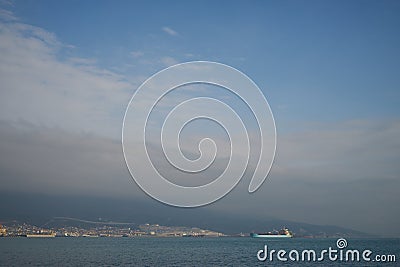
(159, 230)
(23, 230)
(15, 230)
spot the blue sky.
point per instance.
(317, 61)
(329, 69)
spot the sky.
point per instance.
(329, 70)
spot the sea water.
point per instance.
(186, 251)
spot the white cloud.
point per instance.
(82, 61)
(170, 31)
(169, 61)
(9, 3)
(39, 87)
(7, 15)
(136, 54)
(347, 151)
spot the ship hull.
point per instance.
(40, 235)
(269, 236)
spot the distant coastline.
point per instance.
(73, 227)
(16, 229)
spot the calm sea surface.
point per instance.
(178, 251)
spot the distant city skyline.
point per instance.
(75, 227)
(328, 69)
